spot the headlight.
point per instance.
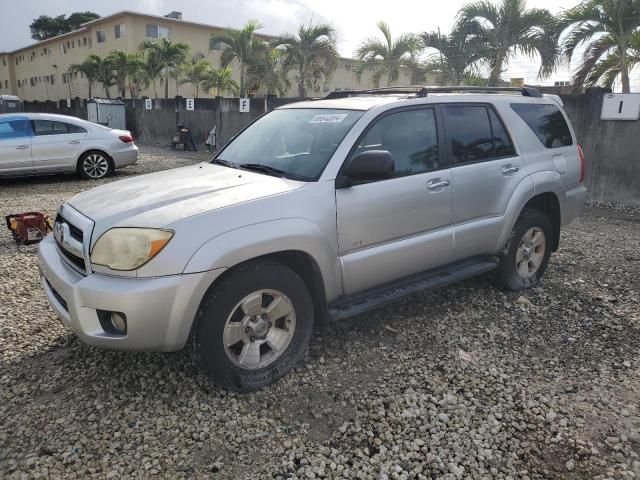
(129, 248)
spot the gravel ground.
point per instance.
(464, 382)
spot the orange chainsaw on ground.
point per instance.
(30, 227)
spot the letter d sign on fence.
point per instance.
(148, 104)
(244, 105)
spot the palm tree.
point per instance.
(197, 73)
(509, 28)
(120, 62)
(222, 81)
(386, 57)
(609, 69)
(89, 68)
(167, 54)
(457, 54)
(240, 45)
(606, 27)
(152, 69)
(312, 52)
(268, 71)
(137, 78)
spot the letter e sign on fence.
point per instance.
(244, 105)
(190, 103)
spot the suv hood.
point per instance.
(161, 198)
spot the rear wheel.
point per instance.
(253, 327)
(526, 255)
(94, 165)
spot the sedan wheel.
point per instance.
(95, 165)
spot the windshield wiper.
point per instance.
(224, 163)
(258, 167)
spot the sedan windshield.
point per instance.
(295, 143)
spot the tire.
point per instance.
(233, 310)
(94, 165)
(524, 258)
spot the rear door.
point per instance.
(400, 226)
(56, 145)
(15, 146)
(486, 169)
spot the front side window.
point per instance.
(152, 31)
(410, 136)
(119, 31)
(295, 143)
(14, 128)
(476, 134)
(547, 122)
(100, 36)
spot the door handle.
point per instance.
(433, 185)
(74, 142)
(509, 169)
(22, 147)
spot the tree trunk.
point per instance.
(166, 81)
(242, 94)
(107, 92)
(494, 78)
(155, 88)
(624, 68)
(90, 85)
(301, 92)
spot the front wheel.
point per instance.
(526, 255)
(94, 165)
(253, 327)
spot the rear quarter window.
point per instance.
(547, 122)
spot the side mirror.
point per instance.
(368, 166)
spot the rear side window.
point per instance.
(547, 122)
(16, 128)
(476, 134)
(51, 127)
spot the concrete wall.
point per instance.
(611, 149)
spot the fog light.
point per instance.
(118, 322)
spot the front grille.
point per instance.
(76, 261)
(58, 297)
(70, 238)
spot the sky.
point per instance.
(354, 20)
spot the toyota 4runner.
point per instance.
(317, 211)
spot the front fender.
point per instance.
(252, 241)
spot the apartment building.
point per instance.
(40, 71)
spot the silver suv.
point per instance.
(317, 211)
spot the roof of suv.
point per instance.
(366, 99)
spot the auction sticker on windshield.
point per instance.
(329, 118)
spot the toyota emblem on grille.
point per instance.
(58, 232)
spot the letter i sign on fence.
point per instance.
(244, 105)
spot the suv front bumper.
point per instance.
(159, 311)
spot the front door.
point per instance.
(486, 170)
(397, 227)
(15, 146)
(55, 145)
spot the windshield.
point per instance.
(294, 143)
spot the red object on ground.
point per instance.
(29, 227)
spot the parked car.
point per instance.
(317, 211)
(40, 143)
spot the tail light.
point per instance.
(581, 155)
(126, 138)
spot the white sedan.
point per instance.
(40, 143)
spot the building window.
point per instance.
(32, 80)
(119, 30)
(158, 31)
(64, 78)
(63, 48)
(6, 84)
(84, 41)
(347, 66)
(100, 36)
(4, 62)
(53, 79)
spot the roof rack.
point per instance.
(419, 91)
(524, 91)
(410, 90)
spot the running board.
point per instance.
(375, 297)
